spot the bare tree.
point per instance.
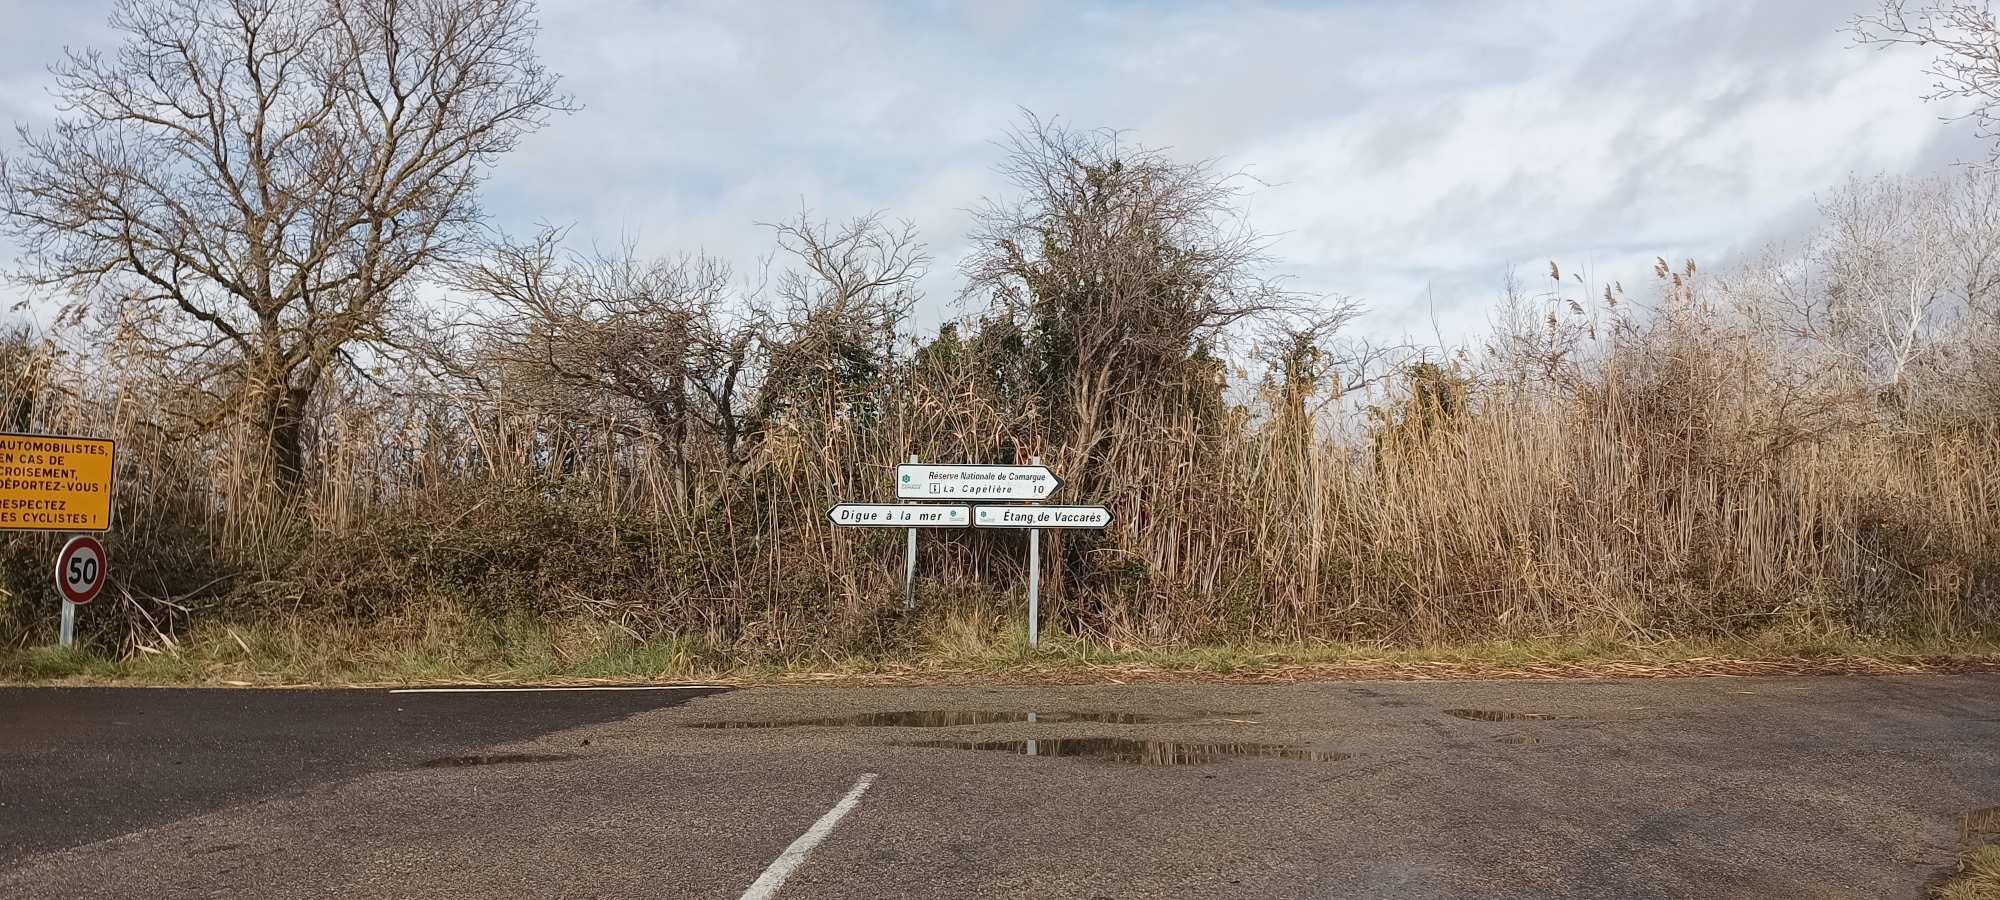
(247, 188)
(1888, 262)
(675, 349)
(841, 301)
(1311, 363)
(1966, 39)
(1893, 300)
(634, 341)
(1123, 266)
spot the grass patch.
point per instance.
(453, 646)
(53, 663)
(1978, 876)
(974, 642)
(446, 646)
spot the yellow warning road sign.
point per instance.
(54, 483)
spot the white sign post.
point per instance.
(908, 516)
(1035, 579)
(1036, 518)
(1034, 588)
(973, 484)
(910, 564)
(969, 484)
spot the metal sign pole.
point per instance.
(66, 635)
(1034, 586)
(1034, 581)
(910, 563)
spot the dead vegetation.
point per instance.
(1977, 876)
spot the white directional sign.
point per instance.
(1042, 517)
(892, 515)
(922, 481)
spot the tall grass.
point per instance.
(1665, 487)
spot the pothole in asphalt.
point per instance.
(1980, 822)
(947, 718)
(490, 759)
(1137, 752)
(1500, 715)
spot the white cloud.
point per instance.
(1412, 151)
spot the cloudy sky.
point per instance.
(1410, 152)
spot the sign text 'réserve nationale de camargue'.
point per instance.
(1042, 517)
(892, 515)
(922, 481)
(51, 483)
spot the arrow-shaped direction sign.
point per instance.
(894, 515)
(922, 481)
(1042, 517)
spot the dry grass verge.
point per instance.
(953, 647)
(1978, 877)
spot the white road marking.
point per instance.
(532, 690)
(766, 886)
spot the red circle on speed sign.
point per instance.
(80, 569)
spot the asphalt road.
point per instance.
(1763, 788)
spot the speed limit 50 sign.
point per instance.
(80, 569)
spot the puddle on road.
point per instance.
(1979, 822)
(1141, 752)
(1500, 715)
(490, 759)
(947, 718)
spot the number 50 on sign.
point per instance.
(80, 569)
